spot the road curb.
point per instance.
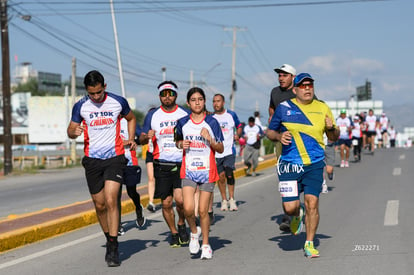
(31, 234)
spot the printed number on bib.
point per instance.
(355, 142)
(288, 188)
(197, 163)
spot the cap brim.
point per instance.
(281, 71)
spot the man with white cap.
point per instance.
(160, 123)
(286, 75)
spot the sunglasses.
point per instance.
(96, 93)
(165, 93)
(304, 86)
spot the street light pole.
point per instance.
(118, 53)
(5, 53)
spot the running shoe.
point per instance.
(140, 218)
(112, 256)
(254, 174)
(151, 207)
(211, 216)
(324, 187)
(224, 205)
(285, 224)
(175, 240)
(296, 223)
(121, 231)
(342, 164)
(194, 245)
(182, 233)
(310, 251)
(206, 252)
(233, 205)
(330, 176)
(248, 171)
(346, 164)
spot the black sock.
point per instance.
(107, 236)
(112, 239)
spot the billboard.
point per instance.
(49, 118)
(19, 113)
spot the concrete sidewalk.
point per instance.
(36, 226)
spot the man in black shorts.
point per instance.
(159, 126)
(96, 116)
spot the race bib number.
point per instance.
(167, 144)
(197, 163)
(355, 142)
(288, 189)
(343, 129)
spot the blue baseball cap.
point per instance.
(301, 77)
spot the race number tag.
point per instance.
(288, 189)
(355, 142)
(197, 163)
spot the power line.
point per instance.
(203, 7)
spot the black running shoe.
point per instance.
(140, 218)
(211, 216)
(175, 240)
(151, 207)
(183, 235)
(330, 176)
(121, 231)
(107, 252)
(285, 224)
(112, 257)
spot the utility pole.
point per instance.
(5, 53)
(73, 93)
(233, 65)
(118, 53)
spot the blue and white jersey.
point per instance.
(101, 120)
(229, 122)
(163, 123)
(199, 162)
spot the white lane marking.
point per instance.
(402, 156)
(391, 213)
(99, 234)
(50, 250)
(396, 171)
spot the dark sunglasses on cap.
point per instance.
(165, 93)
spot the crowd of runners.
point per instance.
(188, 151)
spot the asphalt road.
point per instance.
(365, 228)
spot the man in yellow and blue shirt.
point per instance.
(299, 124)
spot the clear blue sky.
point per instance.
(340, 44)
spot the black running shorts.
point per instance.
(97, 171)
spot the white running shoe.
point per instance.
(324, 187)
(342, 164)
(206, 252)
(224, 205)
(194, 245)
(346, 164)
(233, 205)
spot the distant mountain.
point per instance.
(400, 115)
